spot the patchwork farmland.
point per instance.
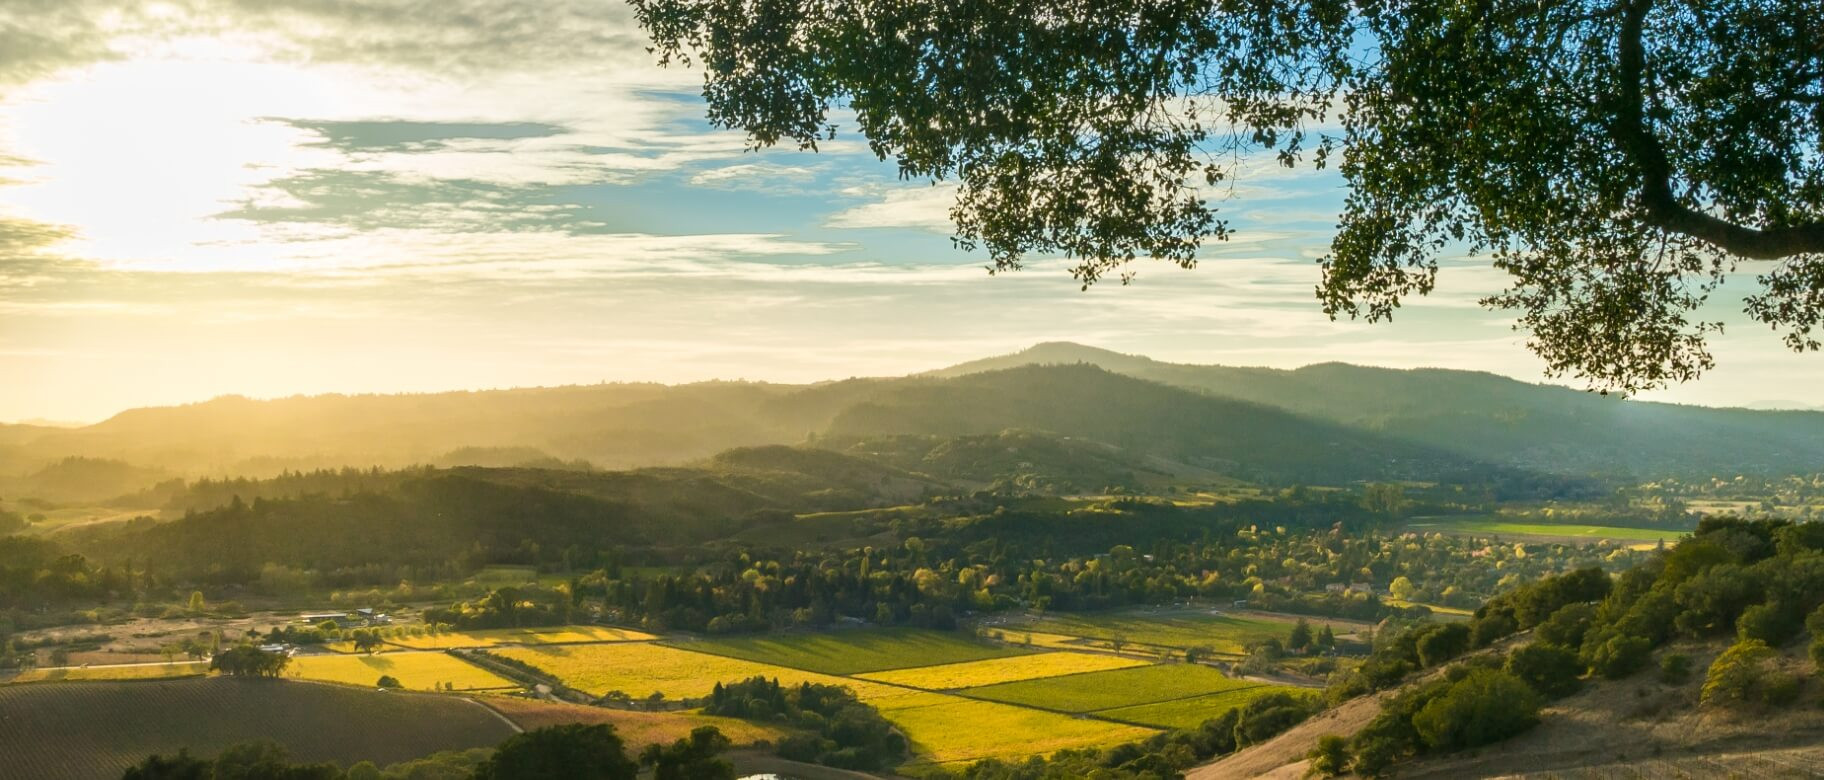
(955, 698)
(988, 701)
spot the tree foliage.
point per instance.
(1615, 157)
(574, 750)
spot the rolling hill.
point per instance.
(1130, 415)
(1486, 416)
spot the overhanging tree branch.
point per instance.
(1663, 208)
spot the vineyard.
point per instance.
(969, 674)
(79, 731)
(1107, 690)
(852, 652)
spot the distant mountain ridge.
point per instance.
(1488, 416)
(1329, 422)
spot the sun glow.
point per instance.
(139, 157)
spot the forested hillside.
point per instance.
(1486, 416)
(1110, 423)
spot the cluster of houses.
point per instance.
(360, 618)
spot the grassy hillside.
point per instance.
(1487, 416)
(88, 731)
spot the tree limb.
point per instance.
(1663, 208)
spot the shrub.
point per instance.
(1617, 655)
(1745, 675)
(1485, 706)
(1331, 756)
(388, 681)
(1770, 623)
(1675, 669)
(1441, 643)
(1567, 626)
(1551, 670)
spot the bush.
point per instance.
(1617, 655)
(1551, 670)
(1441, 643)
(1770, 623)
(1331, 756)
(1485, 706)
(388, 681)
(1675, 669)
(1567, 626)
(1746, 675)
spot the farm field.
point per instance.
(943, 728)
(641, 668)
(639, 729)
(87, 731)
(494, 637)
(1440, 610)
(119, 672)
(1174, 628)
(956, 730)
(419, 671)
(970, 674)
(1191, 712)
(1551, 530)
(857, 651)
(1107, 690)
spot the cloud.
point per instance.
(921, 208)
(764, 178)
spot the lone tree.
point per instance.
(1619, 159)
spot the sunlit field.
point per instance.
(999, 670)
(1106, 690)
(639, 669)
(1157, 627)
(424, 671)
(958, 730)
(857, 651)
(1191, 712)
(1590, 532)
(518, 636)
(119, 672)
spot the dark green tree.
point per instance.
(696, 757)
(1617, 158)
(575, 750)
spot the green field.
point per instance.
(81, 731)
(419, 671)
(1175, 628)
(1466, 525)
(999, 670)
(1108, 690)
(857, 651)
(1191, 712)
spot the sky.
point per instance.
(275, 197)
